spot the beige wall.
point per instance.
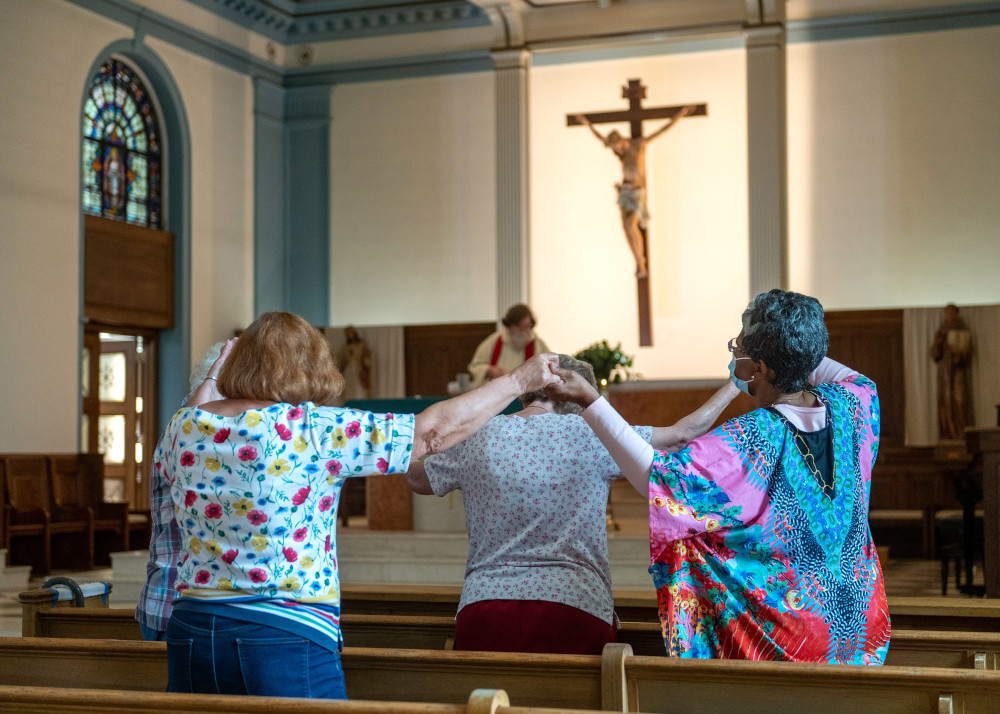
(48, 47)
(893, 175)
(413, 195)
(219, 108)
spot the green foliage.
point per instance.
(609, 362)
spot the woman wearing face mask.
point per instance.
(759, 532)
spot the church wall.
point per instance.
(48, 47)
(413, 196)
(219, 107)
(583, 286)
(893, 169)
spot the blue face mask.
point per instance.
(741, 384)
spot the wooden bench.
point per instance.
(99, 701)
(913, 613)
(616, 681)
(935, 648)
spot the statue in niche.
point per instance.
(355, 360)
(952, 350)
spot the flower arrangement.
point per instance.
(610, 364)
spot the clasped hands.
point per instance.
(560, 385)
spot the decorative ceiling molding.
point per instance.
(292, 23)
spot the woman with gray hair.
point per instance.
(759, 535)
(535, 487)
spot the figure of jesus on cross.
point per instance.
(631, 151)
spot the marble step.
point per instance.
(403, 557)
(422, 558)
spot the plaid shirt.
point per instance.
(157, 596)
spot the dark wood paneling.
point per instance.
(871, 341)
(665, 405)
(436, 353)
(128, 274)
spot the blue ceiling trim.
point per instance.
(954, 17)
(407, 68)
(148, 23)
(291, 23)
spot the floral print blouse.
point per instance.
(255, 496)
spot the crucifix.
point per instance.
(631, 152)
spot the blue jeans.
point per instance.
(210, 654)
(151, 635)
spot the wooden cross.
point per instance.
(635, 115)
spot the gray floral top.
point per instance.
(535, 492)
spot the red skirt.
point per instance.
(530, 626)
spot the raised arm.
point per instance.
(695, 424)
(416, 479)
(208, 390)
(830, 371)
(686, 111)
(582, 118)
(440, 425)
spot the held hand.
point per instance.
(537, 373)
(572, 387)
(224, 353)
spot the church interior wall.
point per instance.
(892, 169)
(413, 201)
(583, 285)
(47, 49)
(219, 106)
(892, 186)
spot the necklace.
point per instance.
(542, 409)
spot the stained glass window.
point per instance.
(122, 168)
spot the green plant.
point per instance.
(609, 363)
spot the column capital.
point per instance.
(764, 36)
(518, 58)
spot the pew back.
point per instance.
(43, 700)
(43, 618)
(616, 681)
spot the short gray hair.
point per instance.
(787, 331)
(200, 370)
(584, 369)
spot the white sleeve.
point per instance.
(630, 451)
(830, 371)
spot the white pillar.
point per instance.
(512, 177)
(767, 157)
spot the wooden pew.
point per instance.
(616, 681)
(43, 618)
(44, 700)
(913, 613)
(708, 686)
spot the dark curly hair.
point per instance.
(787, 331)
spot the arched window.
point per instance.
(122, 169)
